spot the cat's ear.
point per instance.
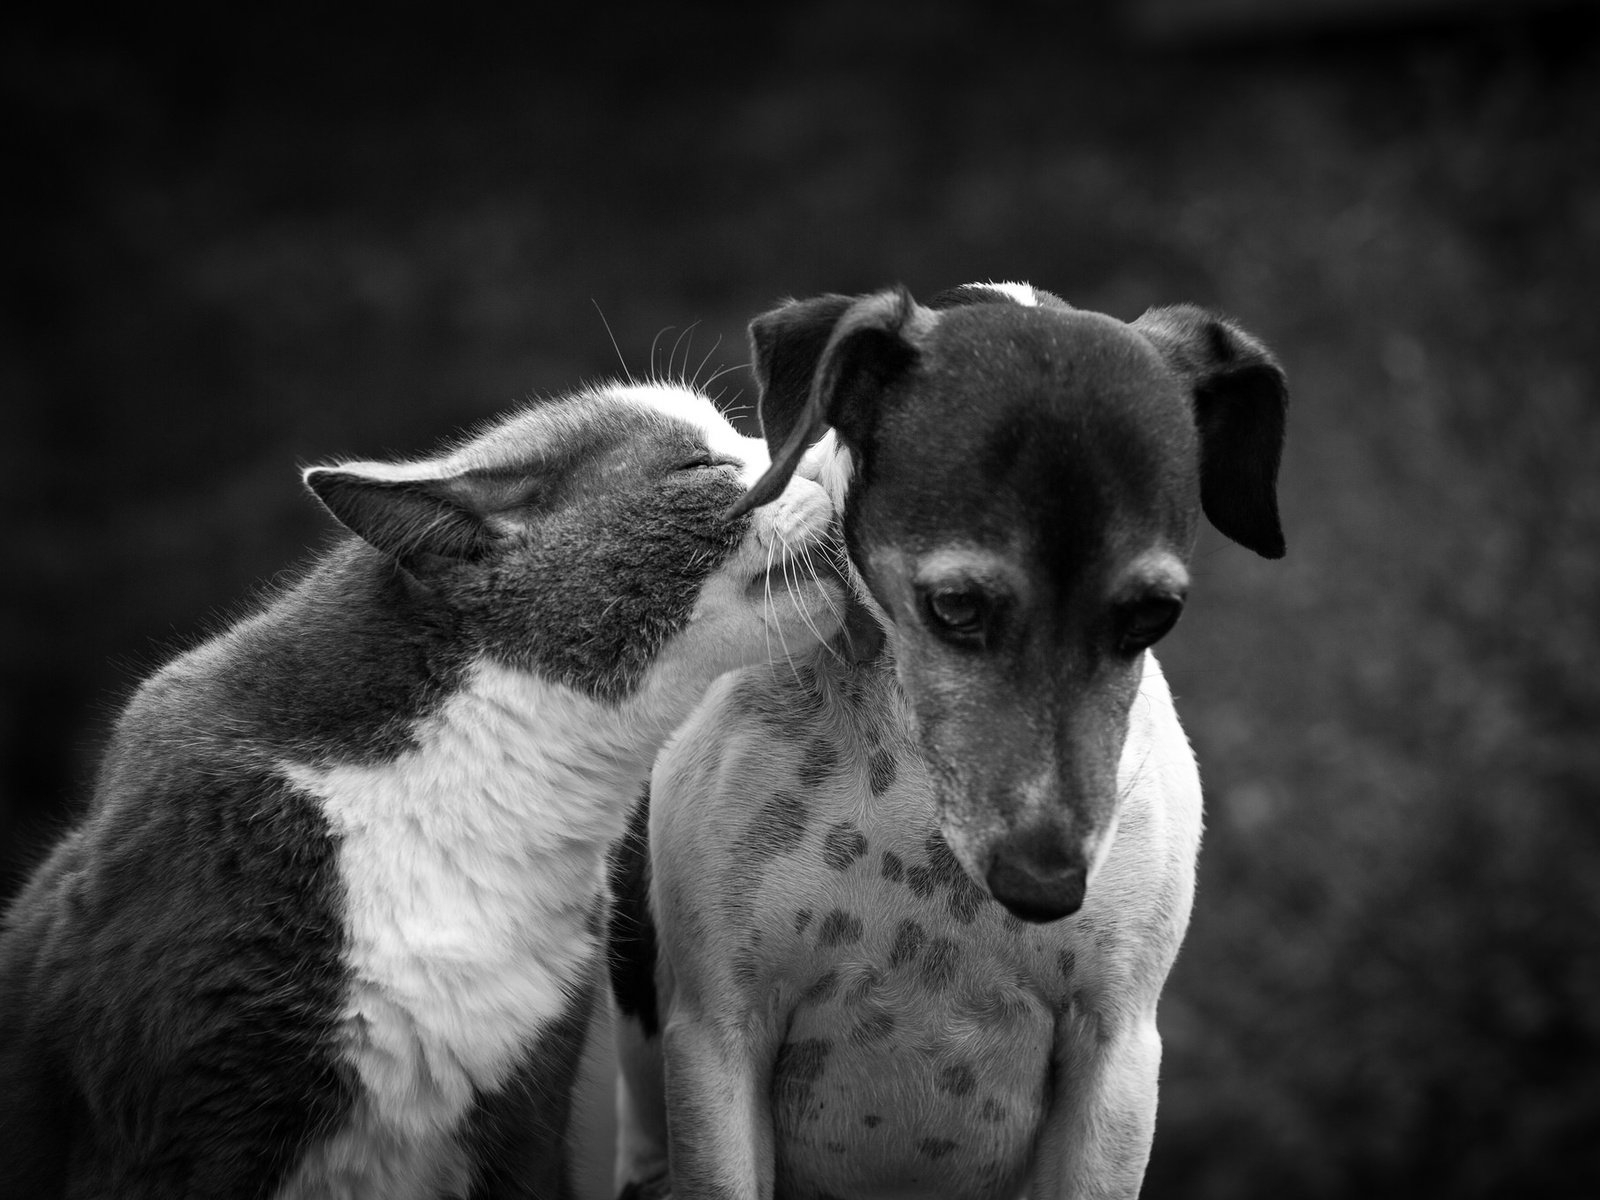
(404, 511)
(823, 363)
(1241, 398)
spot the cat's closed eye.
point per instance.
(702, 462)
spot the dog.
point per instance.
(906, 911)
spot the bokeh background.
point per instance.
(242, 242)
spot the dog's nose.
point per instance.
(1038, 883)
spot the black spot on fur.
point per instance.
(1067, 963)
(839, 928)
(778, 828)
(836, 1147)
(873, 1027)
(843, 845)
(894, 869)
(822, 988)
(909, 938)
(802, 1062)
(935, 1148)
(819, 762)
(881, 771)
(939, 962)
(871, 1121)
(966, 898)
(942, 860)
(957, 1080)
(630, 931)
(993, 1111)
(781, 824)
(943, 870)
(802, 918)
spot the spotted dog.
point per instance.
(903, 914)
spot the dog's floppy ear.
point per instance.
(786, 345)
(1240, 400)
(822, 362)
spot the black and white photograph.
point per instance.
(831, 601)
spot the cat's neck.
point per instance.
(509, 757)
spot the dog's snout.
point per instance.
(1037, 881)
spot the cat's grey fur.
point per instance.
(329, 926)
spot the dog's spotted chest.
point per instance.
(921, 1013)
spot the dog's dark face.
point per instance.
(1028, 480)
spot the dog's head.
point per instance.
(1022, 488)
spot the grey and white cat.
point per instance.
(331, 925)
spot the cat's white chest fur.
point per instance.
(470, 866)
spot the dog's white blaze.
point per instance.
(1022, 293)
(470, 866)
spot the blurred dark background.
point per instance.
(239, 243)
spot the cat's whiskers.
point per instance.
(694, 380)
(808, 569)
(688, 332)
(779, 543)
(627, 374)
(655, 376)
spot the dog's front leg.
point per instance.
(719, 1113)
(1095, 1143)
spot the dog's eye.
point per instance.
(1145, 622)
(959, 611)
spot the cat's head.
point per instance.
(586, 538)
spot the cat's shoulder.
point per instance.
(340, 663)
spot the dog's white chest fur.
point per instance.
(470, 865)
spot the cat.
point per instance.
(331, 924)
